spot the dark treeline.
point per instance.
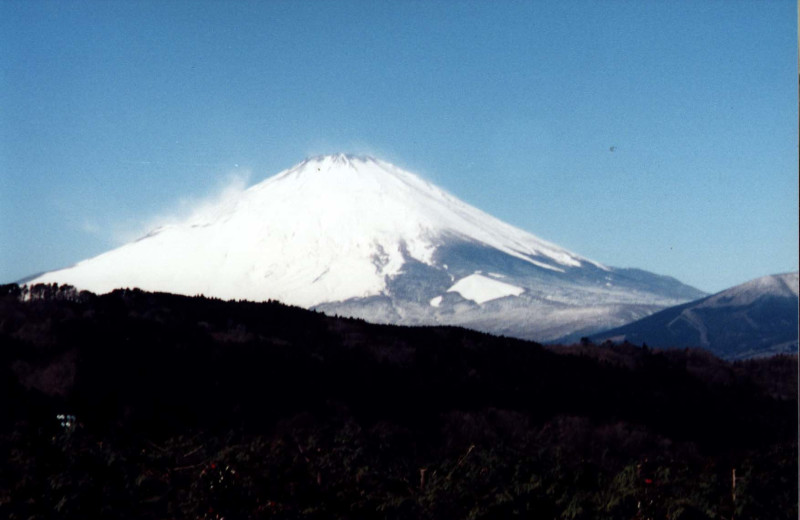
(142, 405)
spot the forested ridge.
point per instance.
(149, 405)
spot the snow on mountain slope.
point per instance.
(359, 236)
(779, 285)
(329, 229)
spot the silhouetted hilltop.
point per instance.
(141, 404)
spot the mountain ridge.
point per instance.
(756, 318)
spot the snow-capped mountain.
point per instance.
(756, 318)
(360, 237)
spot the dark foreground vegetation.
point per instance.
(141, 405)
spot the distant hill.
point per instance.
(754, 319)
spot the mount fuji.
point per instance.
(356, 236)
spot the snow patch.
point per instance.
(481, 289)
(435, 302)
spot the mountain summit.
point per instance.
(361, 237)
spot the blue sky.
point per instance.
(658, 135)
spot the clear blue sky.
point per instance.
(114, 114)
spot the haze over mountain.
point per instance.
(360, 237)
(756, 318)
